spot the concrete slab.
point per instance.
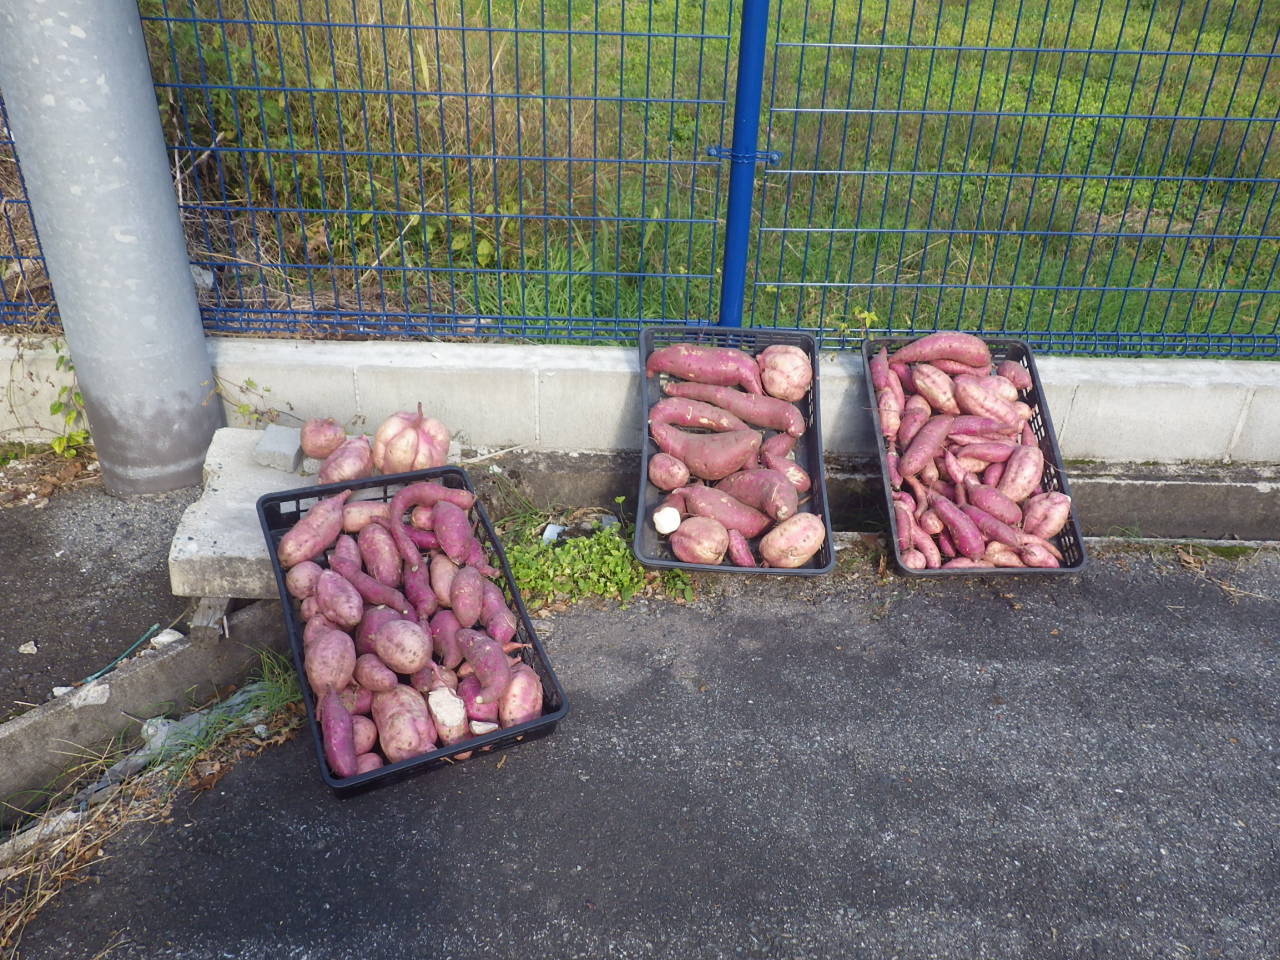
(1257, 437)
(588, 399)
(218, 550)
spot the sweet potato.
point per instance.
(351, 460)
(710, 456)
(420, 517)
(766, 490)
(476, 557)
(1001, 555)
(379, 555)
(720, 366)
(480, 728)
(975, 400)
(374, 617)
(402, 645)
(796, 475)
(432, 676)
(495, 616)
(444, 638)
(1022, 472)
(369, 589)
(1047, 514)
(905, 524)
(315, 626)
(924, 543)
(925, 445)
(453, 528)
(953, 368)
(760, 411)
(468, 690)
(785, 371)
(915, 414)
(1038, 555)
(339, 600)
(368, 762)
(336, 730)
(666, 519)
(703, 501)
(740, 554)
(400, 739)
(928, 522)
(890, 414)
(346, 550)
(991, 528)
(962, 347)
(372, 673)
(330, 662)
(903, 373)
(965, 562)
(426, 493)
(880, 372)
(449, 715)
(684, 412)
(984, 427)
(301, 579)
(778, 444)
(357, 699)
(522, 700)
(964, 533)
(700, 540)
(945, 546)
(913, 559)
(310, 607)
(490, 664)
(794, 541)
(1002, 388)
(356, 516)
(314, 533)
(666, 472)
(992, 501)
(442, 571)
(991, 476)
(417, 590)
(936, 388)
(1015, 373)
(466, 596)
(319, 437)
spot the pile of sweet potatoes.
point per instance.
(966, 468)
(409, 639)
(727, 427)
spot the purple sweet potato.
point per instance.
(433, 676)
(365, 734)
(442, 570)
(417, 590)
(794, 541)
(402, 645)
(452, 526)
(320, 436)
(399, 736)
(700, 540)
(339, 741)
(785, 371)
(330, 662)
(991, 476)
(936, 388)
(924, 543)
(420, 517)
(1001, 387)
(1038, 555)
(466, 596)
(372, 673)
(1001, 555)
(720, 366)
(666, 472)
(982, 426)
(315, 626)
(368, 762)
(903, 372)
(444, 638)
(426, 493)
(495, 616)
(964, 533)
(954, 368)
(913, 559)
(522, 700)
(976, 400)
(357, 699)
(358, 515)
(740, 554)
(762, 411)
(351, 460)
(709, 456)
(703, 501)
(476, 557)
(301, 579)
(403, 699)
(992, 501)
(890, 408)
(449, 715)
(796, 475)
(945, 546)
(371, 591)
(1022, 473)
(339, 600)
(468, 690)
(374, 617)
(766, 490)
(905, 524)
(379, 555)
(698, 414)
(312, 535)
(1047, 514)
(925, 445)
(915, 414)
(1015, 373)
(962, 347)
(991, 528)
(491, 666)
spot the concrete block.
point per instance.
(299, 378)
(218, 549)
(279, 447)
(33, 381)
(485, 394)
(589, 399)
(1257, 439)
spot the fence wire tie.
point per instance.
(738, 156)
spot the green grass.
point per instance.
(456, 223)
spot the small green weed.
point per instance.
(69, 406)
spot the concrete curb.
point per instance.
(40, 745)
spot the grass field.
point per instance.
(537, 160)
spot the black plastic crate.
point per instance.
(650, 548)
(1069, 541)
(278, 512)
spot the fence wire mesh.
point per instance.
(1095, 177)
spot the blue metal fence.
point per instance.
(25, 295)
(1097, 177)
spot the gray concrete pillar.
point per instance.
(82, 110)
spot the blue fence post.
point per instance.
(743, 157)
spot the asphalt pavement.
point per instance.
(842, 767)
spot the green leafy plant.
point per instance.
(70, 407)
